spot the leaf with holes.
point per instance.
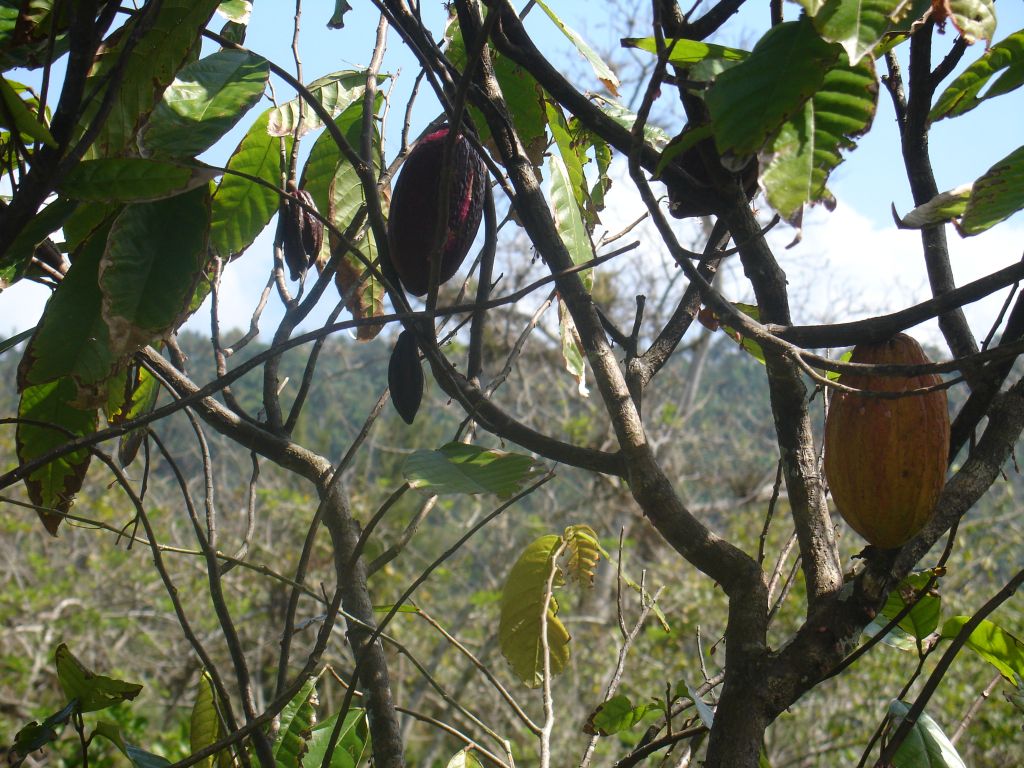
(93, 692)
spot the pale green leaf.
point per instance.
(994, 644)
(614, 715)
(522, 602)
(926, 746)
(16, 116)
(335, 92)
(464, 758)
(974, 19)
(857, 26)
(687, 52)
(944, 207)
(461, 468)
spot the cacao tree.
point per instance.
(117, 201)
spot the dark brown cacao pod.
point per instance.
(299, 233)
(885, 459)
(405, 377)
(414, 220)
(684, 204)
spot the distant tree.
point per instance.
(110, 207)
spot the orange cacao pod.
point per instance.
(885, 458)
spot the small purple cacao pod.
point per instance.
(405, 377)
(299, 233)
(413, 223)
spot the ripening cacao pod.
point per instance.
(414, 220)
(299, 233)
(885, 458)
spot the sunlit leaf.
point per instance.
(205, 100)
(296, 725)
(16, 116)
(615, 715)
(1005, 59)
(335, 92)
(464, 758)
(996, 196)
(993, 643)
(974, 19)
(352, 747)
(858, 26)
(926, 746)
(944, 207)
(687, 52)
(242, 207)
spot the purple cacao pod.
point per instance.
(299, 233)
(415, 209)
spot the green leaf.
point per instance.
(522, 600)
(34, 736)
(92, 691)
(926, 746)
(615, 715)
(132, 179)
(809, 145)
(465, 758)
(994, 644)
(653, 135)
(335, 92)
(572, 154)
(602, 70)
(337, 20)
(71, 339)
(242, 208)
(205, 100)
(750, 102)
(523, 95)
(151, 67)
(296, 725)
(16, 116)
(155, 255)
(461, 468)
(140, 398)
(686, 52)
(857, 26)
(54, 485)
(352, 747)
(1005, 57)
(206, 726)
(996, 196)
(974, 19)
(338, 192)
(572, 349)
(569, 219)
(47, 221)
(139, 758)
(917, 625)
(10, 343)
(238, 11)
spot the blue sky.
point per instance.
(857, 244)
